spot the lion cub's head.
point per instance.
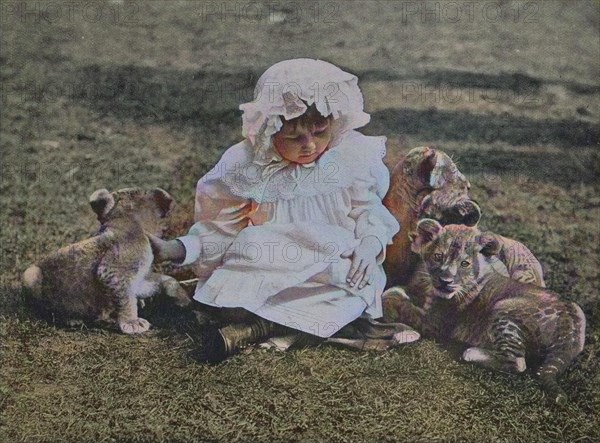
(455, 257)
(432, 174)
(148, 207)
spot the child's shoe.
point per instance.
(219, 344)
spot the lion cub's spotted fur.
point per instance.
(508, 324)
(101, 278)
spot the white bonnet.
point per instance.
(284, 89)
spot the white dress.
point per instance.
(270, 240)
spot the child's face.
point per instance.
(303, 140)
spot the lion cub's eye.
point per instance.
(465, 263)
(438, 256)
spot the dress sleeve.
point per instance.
(219, 216)
(370, 186)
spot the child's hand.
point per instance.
(364, 263)
(163, 250)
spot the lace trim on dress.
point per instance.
(336, 169)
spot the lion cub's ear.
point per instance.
(163, 200)
(489, 244)
(102, 202)
(427, 230)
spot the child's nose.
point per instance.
(310, 145)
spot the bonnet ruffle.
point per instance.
(284, 89)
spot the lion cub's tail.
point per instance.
(571, 330)
(32, 280)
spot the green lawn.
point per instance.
(146, 94)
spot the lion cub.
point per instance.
(427, 184)
(508, 324)
(103, 277)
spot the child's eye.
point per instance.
(465, 263)
(438, 256)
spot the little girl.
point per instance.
(290, 224)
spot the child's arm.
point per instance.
(375, 225)
(219, 216)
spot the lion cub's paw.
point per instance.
(174, 291)
(487, 358)
(476, 355)
(396, 291)
(134, 326)
(180, 297)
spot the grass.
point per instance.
(154, 102)
(152, 391)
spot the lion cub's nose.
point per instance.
(446, 281)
